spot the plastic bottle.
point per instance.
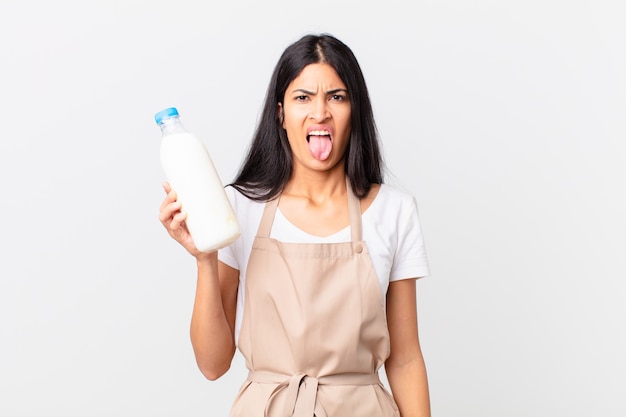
(190, 171)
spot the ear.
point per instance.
(281, 115)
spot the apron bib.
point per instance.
(314, 331)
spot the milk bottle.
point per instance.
(190, 171)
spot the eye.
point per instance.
(301, 98)
(338, 97)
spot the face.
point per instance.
(316, 117)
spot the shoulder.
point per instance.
(248, 211)
(396, 193)
(238, 200)
(392, 199)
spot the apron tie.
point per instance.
(301, 390)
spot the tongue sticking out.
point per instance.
(320, 146)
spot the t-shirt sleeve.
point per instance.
(410, 260)
(227, 254)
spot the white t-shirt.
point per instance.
(391, 230)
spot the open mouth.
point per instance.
(320, 143)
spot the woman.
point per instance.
(319, 291)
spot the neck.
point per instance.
(316, 186)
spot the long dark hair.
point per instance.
(269, 162)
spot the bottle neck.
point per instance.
(172, 125)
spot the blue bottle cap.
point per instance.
(165, 114)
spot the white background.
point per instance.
(505, 120)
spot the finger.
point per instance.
(169, 198)
(167, 211)
(167, 187)
(178, 220)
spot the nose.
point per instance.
(319, 110)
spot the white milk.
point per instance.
(190, 171)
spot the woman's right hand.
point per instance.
(173, 218)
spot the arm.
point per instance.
(213, 317)
(405, 366)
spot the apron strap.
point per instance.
(268, 218)
(354, 208)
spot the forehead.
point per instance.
(314, 75)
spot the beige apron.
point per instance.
(314, 331)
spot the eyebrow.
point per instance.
(329, 92)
